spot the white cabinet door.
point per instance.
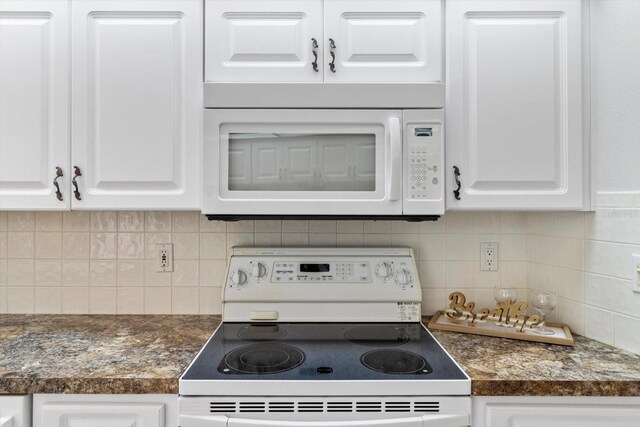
(556, 411)
(383, 40)
(137, 103)
(34, 104)
(15, 411)
(100, 410)
(263, 40)
(514, 104)
(102, 415)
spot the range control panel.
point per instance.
(245, 272)
(362, 284)
(314, 271)
(424, 175)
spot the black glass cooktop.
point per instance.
(319, 351)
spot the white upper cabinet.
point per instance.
(383, 40)
(514, 103)
(34, 104)
(263, 40)
(137, 103)
(289, 41)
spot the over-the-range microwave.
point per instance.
(323, 164)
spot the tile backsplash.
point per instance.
(103, 262)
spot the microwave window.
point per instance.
(302, 162)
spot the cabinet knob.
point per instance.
(55, 183)
(76, 174)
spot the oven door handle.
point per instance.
(435, 420)
(394, 183)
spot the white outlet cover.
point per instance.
(635, 272)
(489, 256)
(168, 248)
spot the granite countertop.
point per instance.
(98, 354)
(147, 354)
(505, 367)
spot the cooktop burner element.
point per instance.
(378, 335)
(262, 332)
(395, 362)
(264, 358)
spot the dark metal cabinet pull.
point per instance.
(76, 174)
(456, 173)
(332, 64)
(314, 46)
(55, 183)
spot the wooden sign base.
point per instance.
(562, 334)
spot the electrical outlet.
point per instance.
(165, 257)
(635, 273)
(489, 256)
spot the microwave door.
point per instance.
(303, 162)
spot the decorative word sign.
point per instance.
(508, 314)
(507, 320)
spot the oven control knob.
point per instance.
(403, 277)
(384, 270)
(238, 277)
(258, 270)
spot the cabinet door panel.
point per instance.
(382, 40)
(101, 415)
(560, 415)
(137, 103)
(262, 40)
(514, 103)
(34, 104)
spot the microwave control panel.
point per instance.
(424, 145)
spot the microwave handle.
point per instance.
(394, 183)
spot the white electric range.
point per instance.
(323, 337)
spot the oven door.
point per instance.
(435, 420)
(303, 162)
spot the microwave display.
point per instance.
(302, 162)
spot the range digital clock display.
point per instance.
(314, 268)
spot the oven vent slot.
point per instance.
(322, 406)
(426, 406)
(397, 406)
(339, 406)
(368, 407)
(222, 407)
(252, 407)
(281, 407)
(310, 406)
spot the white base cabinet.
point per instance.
(15, 411)
(60, 410)
(556, 411)
(515, 93)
